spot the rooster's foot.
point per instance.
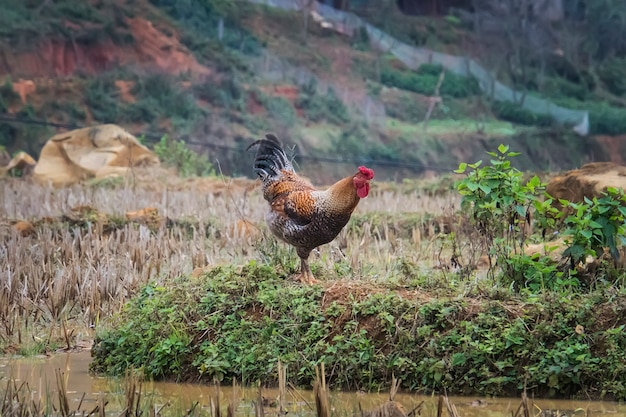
(306, 279)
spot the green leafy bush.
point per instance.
(604, 118)
(612, 73)
(425, 80)
(537, 273)
(280, 109)
(322, 107)
(156, 96)
(607, 120)
(595, 224)
(165, 96)
(559, 87)
(101, 97)
(227, 93)
(200, 19)
(8, 96)
(175, 153)
(514, 113)
(499, 204)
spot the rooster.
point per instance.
(299, 214)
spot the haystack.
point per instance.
(591, 180)
(20, 162)
(91, 152)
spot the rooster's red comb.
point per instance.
(368, 173)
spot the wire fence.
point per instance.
(413, 57)
(272, 68)
(234, 160)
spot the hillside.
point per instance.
(220, 74)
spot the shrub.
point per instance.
(101, 97)
(559, 87)
(604, 119)
(499, 204)
(167, 98)
(227, 93)
(322, 107)
(77, 11)
(280, 109)
(607, 120)
(425, 80)
(142, 111)
(408, 109)
(514, 113)
(8, 96)
(175, 153)
(201, 17)
(613, 74)
(595, 224)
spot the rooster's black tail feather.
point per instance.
(270, 157)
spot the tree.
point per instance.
(606, 26)
(522, 31)
(306, 7)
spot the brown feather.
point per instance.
(299, 214)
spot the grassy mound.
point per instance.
(238, 322)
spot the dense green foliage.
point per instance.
(319, 107)
(176, 153)
(608, 120)
(156, 96)
(238, 322)
(425, 80)
(496, 194)
(24, 22)
(513, 112)
(613, 74)
(595, 224)
(200, 20)
(500, 206)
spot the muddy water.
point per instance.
(40, 375)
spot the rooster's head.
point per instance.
(362, 181)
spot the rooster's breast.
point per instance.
(321, 229)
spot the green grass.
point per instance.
(452, 127)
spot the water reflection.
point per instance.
(39, 373)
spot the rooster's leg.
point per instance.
(305, 276)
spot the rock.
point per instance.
(591, 180)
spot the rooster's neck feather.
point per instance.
(341, 196)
